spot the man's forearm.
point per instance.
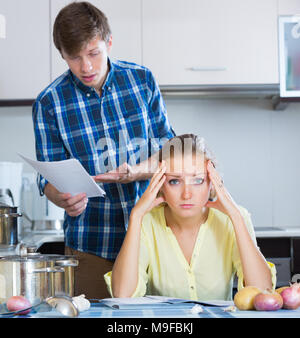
(50, 191)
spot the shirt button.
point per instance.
(109, 88)
(88, 94)
(192, 288)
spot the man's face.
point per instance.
(90, 64)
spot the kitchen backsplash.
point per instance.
(257, 149)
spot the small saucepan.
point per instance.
(8, 226)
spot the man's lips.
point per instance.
(89, 78)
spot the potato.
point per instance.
(244, 298)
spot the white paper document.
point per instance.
(127, 303)
(213, 302)
(123, 302)
(67, 176)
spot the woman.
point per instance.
(180, 242)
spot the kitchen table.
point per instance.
(182, 310)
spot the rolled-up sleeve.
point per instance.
(236, 256)
(48, 143)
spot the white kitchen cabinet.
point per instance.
(288, 7)
(25, 51)
(124, 17)
(207, 42)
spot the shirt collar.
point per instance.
(87, 89)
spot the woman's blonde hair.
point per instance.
(186, 144)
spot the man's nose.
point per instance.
(86, 65)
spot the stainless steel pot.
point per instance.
(8, 226)
(36, 276)
(63, 283)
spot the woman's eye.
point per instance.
(198, 180)
(173, 181)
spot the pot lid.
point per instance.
(18, 258)
(5, 207)
(61, 260)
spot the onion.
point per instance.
(244, 298)
(291, 297)
(279, 290)
(268, 300)
(17, 303)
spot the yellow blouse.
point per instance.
(164, 271)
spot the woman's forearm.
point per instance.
(125, 269)
(255, 268)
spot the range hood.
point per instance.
(242, 91)
(268, 91)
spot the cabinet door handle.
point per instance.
(207, 69)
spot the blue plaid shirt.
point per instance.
(127, 123)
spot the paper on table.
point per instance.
(123, 303)
(67, 176)
(119, 303)
(217, 302)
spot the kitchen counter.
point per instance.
(277, 232)
(34, 239)
(38, 238)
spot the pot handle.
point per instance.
(13, 214)
(48, 269)
(66, 262)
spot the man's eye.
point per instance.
(174, 181)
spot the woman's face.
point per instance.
(186, 191)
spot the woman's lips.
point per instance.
(186, 206)
(89, 78)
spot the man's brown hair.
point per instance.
(76, 24)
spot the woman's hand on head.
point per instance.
(224, 201)
(150, 198)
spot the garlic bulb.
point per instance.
(82, 303)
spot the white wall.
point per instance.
(257, 149)
(16, 134)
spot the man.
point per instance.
(99, 111)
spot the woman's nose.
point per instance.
(186, 193)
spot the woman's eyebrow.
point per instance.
(180, 175)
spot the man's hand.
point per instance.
(73, 205)
(127, 173)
